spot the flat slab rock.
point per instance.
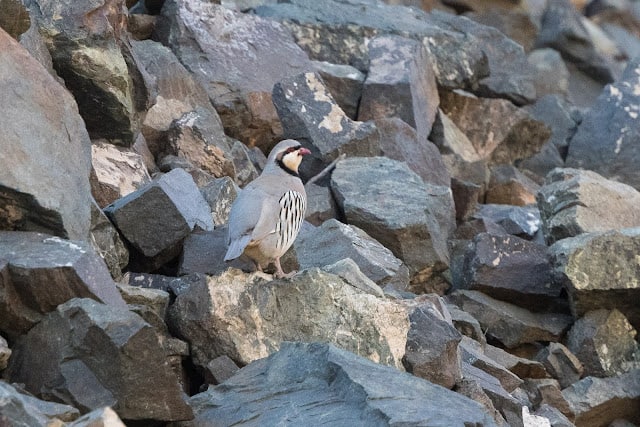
(307, 383)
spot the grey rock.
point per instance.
(574, 201)
(411, 218)
(320, 204)
(349, 271)
(38, 272)
(510, 324)
(597, 271)
(220, 369)
(5, 353)
(246, 170)
(34, 195)
(400, 83)
(551, 75)
(203, 252)
(599, 401)
(471, 353)
(522, 221)
(220, 194)
(560, 116)
(101, 417)
(519, 25)
(520, 366)
(472, 389)
(465, 198)
(344, 83)
(91, 355)
(466, 324)
(604, 341)
(546, 391)
(34, 42)
(509, 186)
(334, 241)
(561, 363)
(150, 281)
(305, 382)
(18, 408)
(555, 417)
(605, 140)
(107, 243)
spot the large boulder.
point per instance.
(45, 141)
(18, 408)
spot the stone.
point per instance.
(561, 363)
(555, 417)
(560, 117)
(246, 170)
(311, 306)
(204, 251)
(344, 83)
(551, 76)
(411, 218)
(257, 54)
(334, 241)
(141, 26)
(575, 201)
(597, 271)
(101, 417)
(18, 408)
(467, 325)
(546, 391)
(465, 198)
(499, 131)
(34, 43)
(38, 272)
(5, 353)
(177, 207)
(304, 382)
(46, 189)
(15, 18)
(87, 42)
(400, 83)
(220, 369)
(107, 243)
(599, 401)
(91, 355)
(521, 221)
(310, 115)
(509, 186)
(452, 141)
(471, 353)
(472, 389)
(605, 139)
(520, 366)
(220, 194)
(349, 271)
(516, 24)
(583, 89)
(510, 324)
(604, 341)
(118, 172)
(320, 204)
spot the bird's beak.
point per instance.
(303, 151)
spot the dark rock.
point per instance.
(509, 186)
(561, 363)
(521, 221)
(320, 204)
(605, 140)
(141, 26)
(34, 194)
(91, 355)
(246, 170)
(516, 24)
(305, 382)
(203, 252)
(472, 389)
(18, 408)
(521, 367)
(510, 324)
(107, 243)
(344, 83)
(546, 391)
(559, 116)
(467, 325)
(221, 369)
(465, 198)
(551, 76)
(471, 353)
(220, 194)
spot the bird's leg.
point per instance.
(258, 266)
(280, 274)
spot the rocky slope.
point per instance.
(472, 259)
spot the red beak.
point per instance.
(303, 151)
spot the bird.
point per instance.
(267, 214)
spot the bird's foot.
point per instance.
(280, 274)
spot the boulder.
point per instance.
(561, 363)
(411, 218)
(516, 24)
(510, 324)
(91, 355)
(509, 186)
(521, 221)
(38, 272)
(349, 271)
(400, 83)
(551, 75)
(574, 201)
(204, 251)
(18, 408)
(606, 138)
(344, 83)
(598, 270)
(220, 369)
(248, 317)
(471, 353)
(220, 194)
(47, 186)
(305, 382)
(520, 366)
(467, 325)
(472, 389)
(334, 241)
(555, 417)
(546, 391)
(107, 243)
(320, 204)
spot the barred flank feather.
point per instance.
(292, 209)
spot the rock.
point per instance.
(334, 241)
(118, 172)
(521, 221)
(599, 401)
(177, 207)
(14, 18)
(150, 304)
(312, 306)
(532, 420)
(561, 363)
(471, 353)
(310, 115)
(141, 26)
(18, 408)
(320, 204)
(516, 24)
(467, 325)
(107, 243)
(574, 201)
(220, 369)
(411, 218)
(583, 89)
(258, 53)
(92, 355)
(597, 273)
(499, 131)
(33, 42)
(344, 83)
(220, 194)
(509, 186)
(452, 142)
(472, 389)
(604, 341)
(465, 198)
(34, 194)
(510, 324)
(87, 44)
(546, 391)
(560, 117)
(349, 271)
(203, 252)
(5, 353)
(101, 417)
(551, 75)
(555, 417)
(246, 170)
(303, 382)
(521, 367)
(605, 139)
(400, 83)
(38, 272)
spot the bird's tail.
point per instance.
(236, 247)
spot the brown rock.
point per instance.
(520, 366)
(509, 186)
(547, 391)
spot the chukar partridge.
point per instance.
(266, 216)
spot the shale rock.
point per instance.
(521, 367)
(303, 382)
(38, 272)
(344, 83)
(21, 409)
(47, 187)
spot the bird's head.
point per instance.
(288, 155)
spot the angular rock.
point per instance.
(555, 417)
(465, 198)
(38, 272)
(516, 24)
(220, 194)
(509, 186)
(204, 251)
(546, 391)
(349, 271)
(311, 306)
(606, 139)
(46, 188)
(21, 409)
(471, 353)
(599, 401)
(177, 207)
(551, 75)
(101, 417)
(237, 58)
(604, 342)
(320, 204)
(305, 382)
(411, 218)
(521, 221)
(467, 325)
(560, 117)
(14, 18)
(107, 242)
(510, 324)
(220, 369)
(598, 270)
(310, 115)
(452, 142)
(472, 389)
(574, 201)
(561, 363)
(246, 169)
(344, 83)
(334, 241)
(400, 83)
(141, 26)
(521, 367)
